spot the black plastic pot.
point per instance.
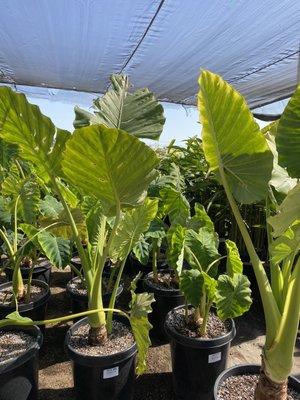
(79, 302)
(76, 262)
(248, 369)
(36, 310)
(41, 272)
(196, 363)
(102, 377)
(19, 376)
(165, 301)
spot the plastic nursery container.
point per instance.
(19, 376)
(248, 369)
(165, 301)
(196, 362)
(102, 377)
(36, 310)
(41, 272)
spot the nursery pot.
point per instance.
(196, 362)
(102, 377)
(41, 271)
(79, 302)
(248, 369)
(36, 310)
(19, 376)
(165, 301)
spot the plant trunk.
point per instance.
(266, 389)
(97, 336)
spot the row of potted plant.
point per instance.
(106, 197)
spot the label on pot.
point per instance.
(212, 358)
(110, 372)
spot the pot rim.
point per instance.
(160, 291)
(29, 353)
(199, 342)
(33, 304)
(104, 361)
(248, 369)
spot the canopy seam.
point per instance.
(143, 37)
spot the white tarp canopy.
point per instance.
(160, 44)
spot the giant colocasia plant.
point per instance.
(238, 152)
(110, 168)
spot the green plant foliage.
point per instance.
(141, 250)
(233, 296)
(50, 207)
(288, 136)
(133, 224)
(39, 141)
(137, 113)
(56, 249)
(140, 307)
(286, 245)
(175, 205)
(118, 167)
(288, 212)
(191, 285)
(232, 140)
(234, 264)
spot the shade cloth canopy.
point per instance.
(160, 44)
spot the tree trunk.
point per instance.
(269, 390)
(97, 336)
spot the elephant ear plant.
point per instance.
(112, 167)
(202, 285)
(238, 152)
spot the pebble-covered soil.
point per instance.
(119, 340)
(215, 327)
(6, 295)
(14, 344)
(243, 387)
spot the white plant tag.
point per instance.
(110, 372)
(212, 358)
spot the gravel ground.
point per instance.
(6, 295)
(55, 376)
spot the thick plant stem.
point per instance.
(113, 297)
(266, 389)
(271, 311)
(18, 284)
(98, 321)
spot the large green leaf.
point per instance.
(175, 205)
(39, 141)
(56, 249)
(140, 307)
(137, 113)
(50, 207)
(110, 164)
(288, 136)
(234, 264)
(8, 152)
(288, 212)
(133, 224)
(232, 140)
(233, 296)
(280, 180)
(62, 225)
(286, 245)
(141, 250)
(192, 286)
(200, 219)
(176, 246)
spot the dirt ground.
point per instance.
(55, 378)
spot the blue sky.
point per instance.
(181, 122)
